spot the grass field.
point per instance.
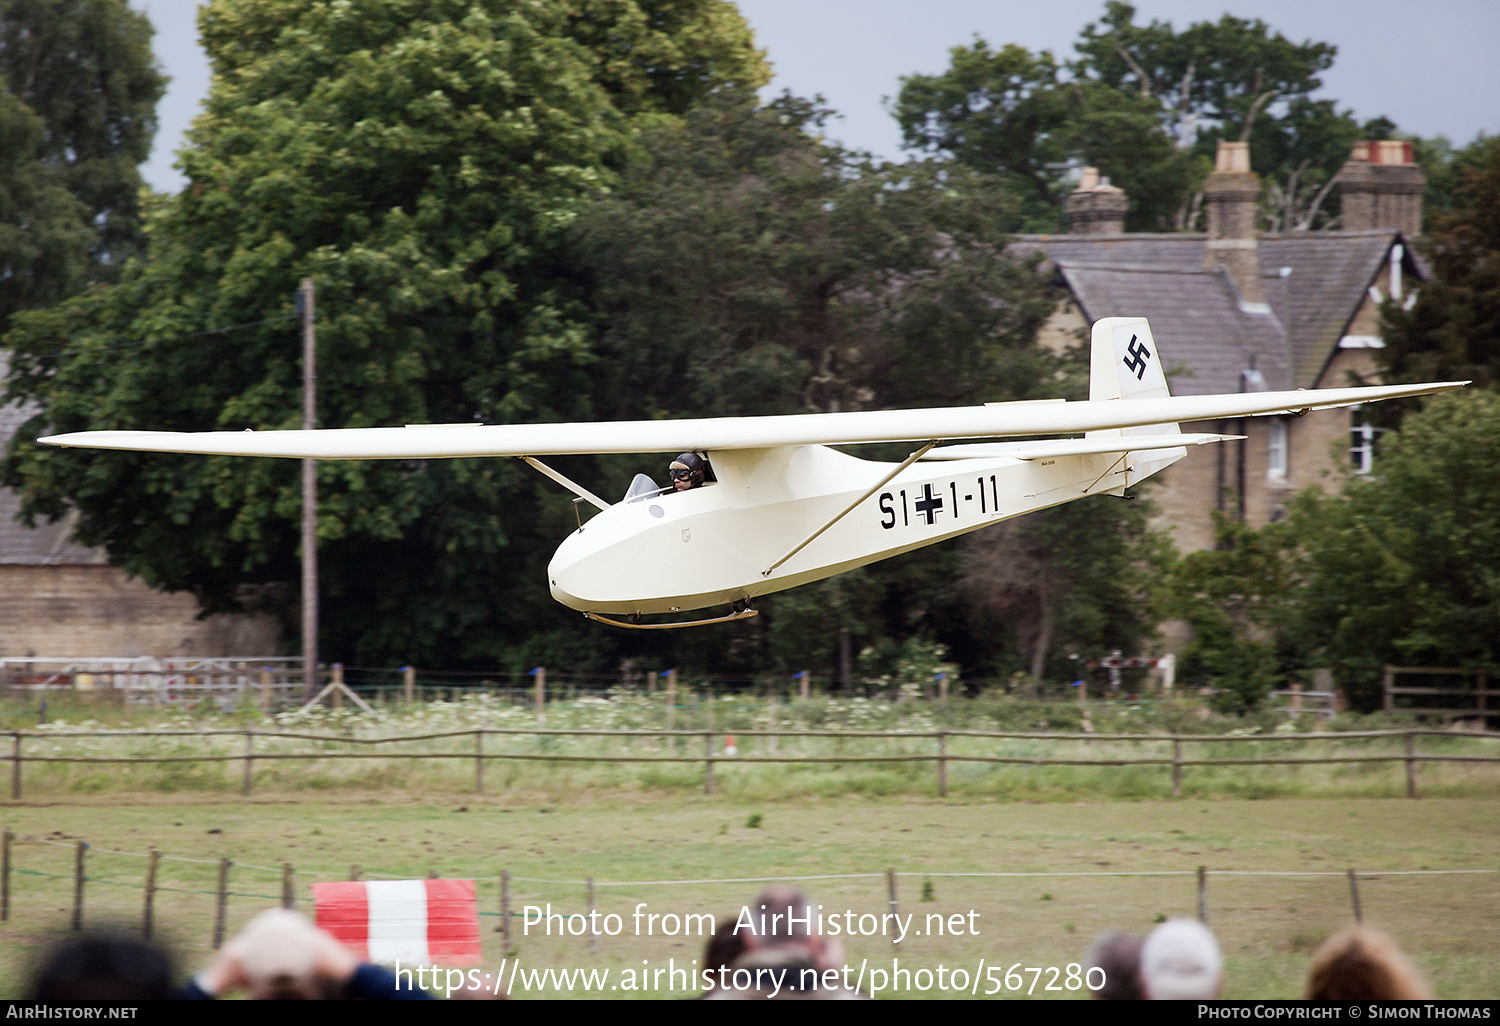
(550, 840)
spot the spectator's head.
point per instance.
(1180, 961)
(1361, 964)
(104, 969)
(1118, 956)
(723, 948)
(785, 934)
(781, 915)
(279, 952)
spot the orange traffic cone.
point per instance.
(729, 748)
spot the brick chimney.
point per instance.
(1096, 207)
(1229, 196)
(1381, 185)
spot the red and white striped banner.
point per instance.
(416, 922)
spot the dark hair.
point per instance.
(103, 968)
(1118, 954)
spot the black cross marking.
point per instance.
(1138, 355)
(929, 504)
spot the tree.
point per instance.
(1452, 331)
(1147, 105)
(420, 160)
(1240, 600)
(1405, 568)
(1073, 580)
(85, 68)
(45, 235)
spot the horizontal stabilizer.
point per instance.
(1048, 448)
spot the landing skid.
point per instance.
(738, 614)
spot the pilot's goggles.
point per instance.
(681, 475)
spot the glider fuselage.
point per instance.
(712, 545)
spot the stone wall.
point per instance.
(101, 611)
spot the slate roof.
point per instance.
(46, 544)
(1314, 283)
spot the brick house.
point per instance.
(1235, 310)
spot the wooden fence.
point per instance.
(712, 756)
(1479, 694)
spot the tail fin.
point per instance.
(1124, 364)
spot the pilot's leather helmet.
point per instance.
(687, 467)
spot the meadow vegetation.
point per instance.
(865, 731)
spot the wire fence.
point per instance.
(508, 900)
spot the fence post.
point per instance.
(249, 762)
(593, 936)
(1203, 894)
(1411, 765)
(539, 698)
(1388, 681)
(890, 890)
(479, 761)
(78, 878)
(221, 905)
(288, 886)
(1354, 895)
(15, 766)
(1176, 768)
(409, 683)
(805, 689)
(504, 928)
(942, 764)
(771, 719)
(354, 872)
(708, 762)
(671, 676)
(5, 876)
(265, 690)
(148, 914)
(338, 685)
(942, 680)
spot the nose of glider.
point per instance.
(579, 573)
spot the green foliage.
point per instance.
(1075, 580)
(1235, 596)
(420, 160)
(78, 92)
(1452, 332)
(1402, 568)
(741, 266)
(85, 68)
(1405, 568)
(44, 231)
(1147, 105)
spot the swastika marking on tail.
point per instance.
(1136, 356)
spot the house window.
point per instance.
(1361, 441)
(1276, 463)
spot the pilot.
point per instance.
(687, 472)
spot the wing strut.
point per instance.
(572, 486)
(805, 542)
